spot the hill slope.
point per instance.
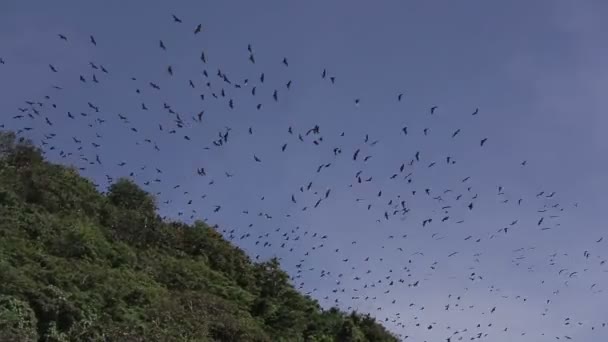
(77, 265)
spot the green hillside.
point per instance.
(78, 265)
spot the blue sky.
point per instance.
(536, 71)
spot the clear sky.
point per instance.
(535, 70)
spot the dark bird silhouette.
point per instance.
(176, 19)
(93, 41)
(483, 141)
(198, 29)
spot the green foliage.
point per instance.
(127, 195)
(17, 320)
(77, 265)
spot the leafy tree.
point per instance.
(349, 332)
(17, 320)
(127, 195)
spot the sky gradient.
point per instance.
(536, 71)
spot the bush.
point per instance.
(17, 320)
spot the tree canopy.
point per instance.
(78, 265)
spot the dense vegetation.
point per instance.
(78, 265)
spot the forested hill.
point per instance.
(78, 265)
